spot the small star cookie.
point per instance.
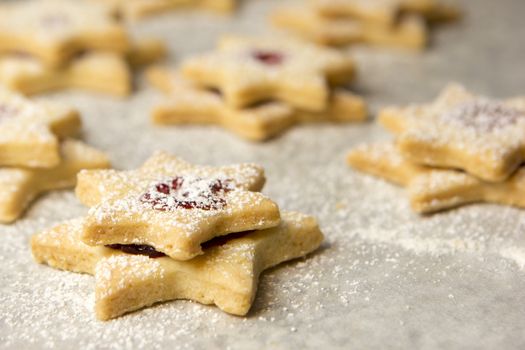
(29, 131)
(226, 274)
(410, 31)
(190, 104)
(55, 30)
(482, 136)
(248, 71)
(431, 189)
(172, 205)
(102, 72)
(386, 12)
(20, 186)
(136, 9)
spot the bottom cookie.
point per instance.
(189, 104)
(431, 189)
(225, 275)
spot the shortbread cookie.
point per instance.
(482, 136)
(248, 71)
(172, 205)
(29, 131)
(433, 189)
(386, 12)
(190, 104)
(102, 72)
(226, 274)
(55, 30)
(135, 9)
(20, 186)
(409, 32)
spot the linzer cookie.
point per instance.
(386, 12)
(409, 31)
(188, 103)
(30, 131)
(20, 186)
(102, 72)
(484, 137)
(431, 189)
(173, 206)
(135, 9)
(55, 30)
(248, 71)
(226, 274)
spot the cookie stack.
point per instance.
(172, 230)
(397, 23)
(36, 152)
(61, 44)
(258, 87)
(459, 149)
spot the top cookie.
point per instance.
(172, 205)
(29, 131)
(482, 136)
(248, 71)
(55, 30)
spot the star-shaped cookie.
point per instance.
(55, 30)
(20, 186)
(409, 31)
(386, 12)
(136, 9)
(190, 104)
(30, 131)
(252, 70)
(226, 274)
(484, 137)
(431, 189)
(102, 72)
(172, 205)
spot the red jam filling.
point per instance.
(184, 193)
(137, 249)
(270, 58)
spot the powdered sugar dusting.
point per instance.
(355, 290)
(114, 273)
(188, 193)
(22, 119)
(476, 126)
(483, 116)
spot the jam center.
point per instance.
(137, 249)
(482, 115)
(270, 58)
(188, 193)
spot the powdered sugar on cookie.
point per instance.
(174, 206)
